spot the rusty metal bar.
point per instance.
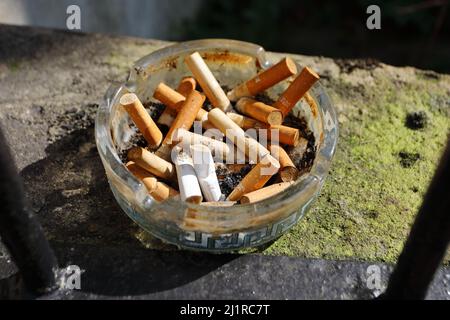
(21, 232)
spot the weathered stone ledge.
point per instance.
(52, 81)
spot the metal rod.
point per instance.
(427, 242)
(21, 232)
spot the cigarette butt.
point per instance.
(265, 192)
(288, 170)
(159, 190)
(246, 122)
(187, 179)
(186, 85)
(133, 106)
(186, 115)
(206, 172)
(259, 111)
(219, 149)
(256, 178)
(229, 128)
(174, 100)
(207, 81)
(152, 163)
(266, 79)
(286, 135)
(168, 96)
(296, 90)
(219, 203)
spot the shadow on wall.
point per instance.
(140, 18)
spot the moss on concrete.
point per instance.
(370, 198)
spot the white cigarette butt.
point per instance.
(187, 179)
(206, 172)
(207, 81)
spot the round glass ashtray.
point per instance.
(196, 226)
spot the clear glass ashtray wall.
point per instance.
(216, 229)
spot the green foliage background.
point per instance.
(329, 28)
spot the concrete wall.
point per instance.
(142, 18)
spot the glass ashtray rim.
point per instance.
(312, 180)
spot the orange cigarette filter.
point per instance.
(286, 135)
(174, 100)
(256, 178)
(266, 79)
(260, 111)
(168, 96)
(288, 170)
(186, 116)
(158, 190)
(186, 85)
(152, 163)
(265, 192)
(296, 90)
(133, 106)
(219, 203)
(246, 122)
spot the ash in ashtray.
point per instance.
(230, 175)
(304, 154)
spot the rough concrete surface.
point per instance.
(52, 81)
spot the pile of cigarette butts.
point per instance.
(188, 159)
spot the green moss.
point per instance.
(371, 197)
